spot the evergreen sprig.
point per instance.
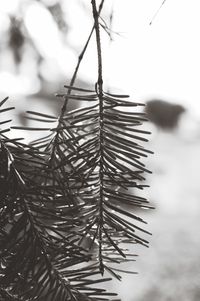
(65, 215)
(106, 165)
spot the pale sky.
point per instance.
(163, 59)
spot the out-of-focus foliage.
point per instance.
(17, 37)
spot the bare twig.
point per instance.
(157, 12)
(73, 79)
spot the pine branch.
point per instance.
(121, 168)
(35, 221)
(23, 253)
(64, 217)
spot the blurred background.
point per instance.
(152, 53)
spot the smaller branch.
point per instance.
(81, 55)
(36, 233)
(66, 98)
(157, 12)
